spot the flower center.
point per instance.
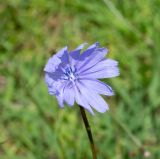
(70, 73)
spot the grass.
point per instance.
(31, 124)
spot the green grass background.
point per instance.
(31, 124)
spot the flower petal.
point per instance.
(100, 65)
(96, 56)
(52, 64)
(60, 100)
(55, 60)
(89, 51)
(104, 69)
(53, 82)
(69, 95)
(76, 53)
(60, 87)
(50, 83)
(94, 99)
(63, 55)
(97, 86)
(82, 101)
(104, 73)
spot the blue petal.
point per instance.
(89, 51)
(82, 101)
(96, 56)
(56, 87)
(50, 83)
(52, 64)
(56, 60)
(94, 99)
(63, 55)
(60, 92)
(76, 53)
(104, 69)
(48, 79)
(53, 81)
(69, 94)
(74, 56)
(78, 59)
(103, 73)
(60, 100)
(106, 63)
(97, 86)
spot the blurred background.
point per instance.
(31, 124)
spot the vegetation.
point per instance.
(31, 124)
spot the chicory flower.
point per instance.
(74, 77)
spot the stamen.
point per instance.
(70, 73)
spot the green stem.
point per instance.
(88, 129)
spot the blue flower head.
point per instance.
(73, 76)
